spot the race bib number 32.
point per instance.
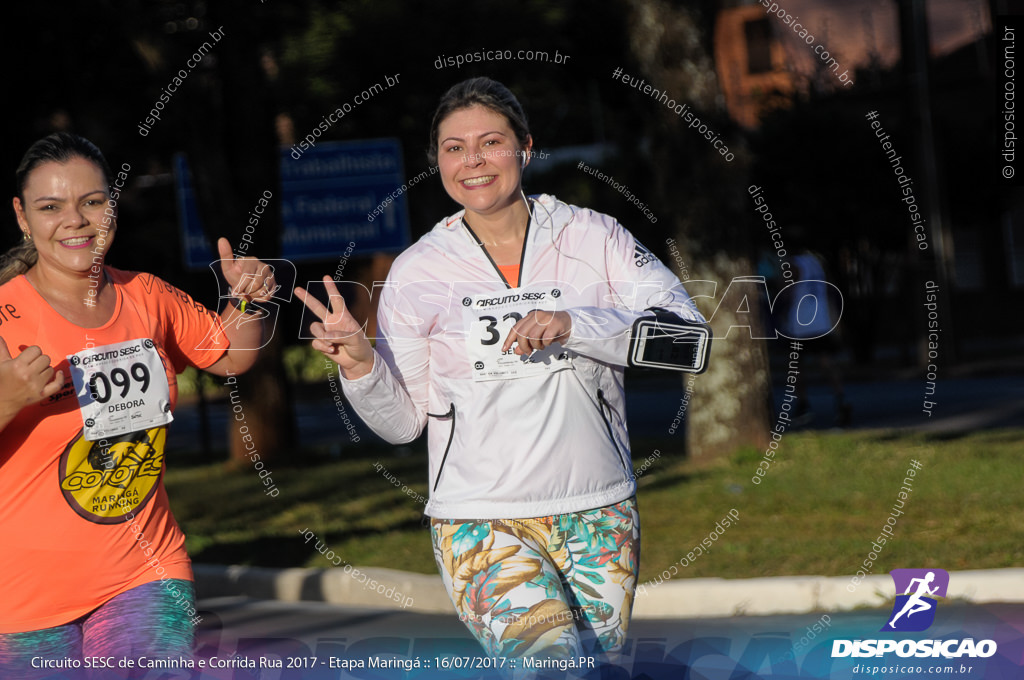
(490, 317)
(121, 388)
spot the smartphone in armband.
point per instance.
(667, 341)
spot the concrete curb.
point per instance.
(381, 588)
(681, 598)
(709, 597)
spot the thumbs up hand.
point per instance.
(249, 278)
(26, 379)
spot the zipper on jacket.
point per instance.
(451, 436)
(602, 403)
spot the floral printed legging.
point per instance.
(554, 587)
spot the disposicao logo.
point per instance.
(914, 611)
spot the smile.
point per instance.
(77, 242)
(479, 181)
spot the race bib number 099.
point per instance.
(121, 388)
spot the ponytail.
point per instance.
(17, 261)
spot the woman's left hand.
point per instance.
(537, 330)
(250, 279)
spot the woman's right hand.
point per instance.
(338, 334)
(26, 379)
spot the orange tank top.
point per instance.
(511, 273)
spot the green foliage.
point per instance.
(191, 378)
(303, 364)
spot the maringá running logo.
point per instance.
(103, 481)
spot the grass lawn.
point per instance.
(824, 499)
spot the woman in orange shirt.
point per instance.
(93, 563)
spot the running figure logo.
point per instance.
(914, 610)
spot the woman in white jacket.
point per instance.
(506, 327)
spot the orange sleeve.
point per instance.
(195, 335)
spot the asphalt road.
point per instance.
(311, 634)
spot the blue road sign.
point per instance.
(326, 195)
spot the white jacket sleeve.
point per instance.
(637, 281)
(392, 398)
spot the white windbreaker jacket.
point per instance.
(514, 437)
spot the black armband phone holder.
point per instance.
(667, 341)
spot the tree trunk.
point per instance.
(731, 403)
(703, 200)
(234, 156)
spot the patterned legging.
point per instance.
(549, 587)
(146, 621)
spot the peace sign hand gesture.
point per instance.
(338, 334)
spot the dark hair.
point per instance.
(479, 92)
(59, 147)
